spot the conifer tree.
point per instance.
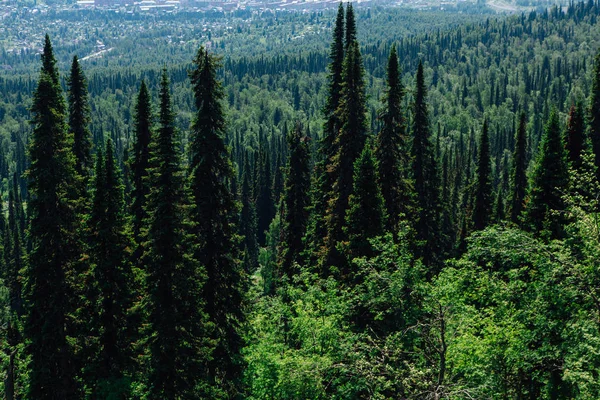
(79, 119)
(424, 168)
(278, 180)
(349, 143)
(323, 179)
(483, 187)
(519, 171)
(295, 202)
(548, 182)
(248, 223)
(113, 280)
(141, 157)
(54, 247)
(575, 135)
(178, 341)
(350, 37)
(365, 217)
(391, 150)
(214, 213)
(265, 207)
(594, 112)
(13, 250)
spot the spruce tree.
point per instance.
(295, 202)
(483, 187)
(113, 280)
(248, 223)
(594, 112)
(349, 143)
(519, 171)
(141, 157)
(323, 180)
(391, 150)
(214, 213)
(54, 246)
(425, 174)
(178, 338)
(548, 182)
(265, 207)
(365, 217)
(13, 250)
(350, 36)
(79, 119)
(575, 135)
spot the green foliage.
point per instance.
(392, 151)
(425, 173)
(54, 244)
(214, 211)
(548, 183)
(79, 119)
(482, 209)
(178, 338)
(295, 203)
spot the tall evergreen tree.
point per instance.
(519, 171)
(548, 182)
(54, 246)
(350, 26)
(323, 180)
(575, 135)
(425, 173)
(248, 223)
(295, 202)
(178, 343)
(113, 280)
(349, 143)
(214, 213)
(13, 250)
(141, 158)
(482, 209)
(365, 217)
(391, 150)
(594, 112)
(79, 119)
(265, 207)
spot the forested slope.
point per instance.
(391, 217)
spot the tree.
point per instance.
(323, 179)
(79, 119)
(519, 171)
(483, 187)
(113, 282)
(365, 217)
(594, 112)
(548, 182)
(214, 213)
(178, 341)
(265, 207)
(575, 135)
(141, 158)
(54, 245)
(424, 168)
(391, 150)
(349, 143)
(248, 223)
(350, 26)
(295, 202)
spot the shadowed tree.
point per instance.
(483, 186)
(519, 171)
(79, 119)
(179, 344)
(214, 213)
(295, 202)
(54, 245)
(391, 150)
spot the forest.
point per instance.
(395, 215)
